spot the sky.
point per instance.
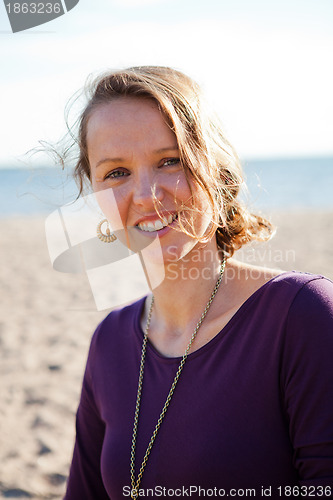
(266, 67)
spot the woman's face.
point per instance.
(134, 159)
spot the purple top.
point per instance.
(253, 407)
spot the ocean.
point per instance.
(273, 184)
(290, 184)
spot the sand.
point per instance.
(46, 322)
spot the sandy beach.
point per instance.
(46, 322)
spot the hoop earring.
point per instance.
(108, 237)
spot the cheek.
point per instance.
(204, 208)
(112, 207)
(180, 188)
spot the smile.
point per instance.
(157, 225)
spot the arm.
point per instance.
(307, 382)
(85, 481)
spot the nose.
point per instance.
(147, 190)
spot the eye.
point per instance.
(115, 174)
(170, 161)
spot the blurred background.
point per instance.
(266, 68)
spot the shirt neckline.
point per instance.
(236, 316)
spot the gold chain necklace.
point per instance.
(136, 483)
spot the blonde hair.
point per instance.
(207, 157)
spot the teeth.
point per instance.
(157, 225)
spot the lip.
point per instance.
(160, 232)
(154, 217)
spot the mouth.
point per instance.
(158, 225)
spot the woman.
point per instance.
(219, 383)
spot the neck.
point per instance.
(183, 294)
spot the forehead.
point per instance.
(128, 121)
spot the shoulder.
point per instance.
(306, 370)
(117, 325)
(115, 336)
(308, 323)
(275, 289)
(291, 282)
(302, 295)
(124, 313)
(312, 305)
(307, 347)
(289, 297)
(305, 290)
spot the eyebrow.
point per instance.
(120, 160)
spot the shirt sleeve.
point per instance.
(307, 382)
(85, 480)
